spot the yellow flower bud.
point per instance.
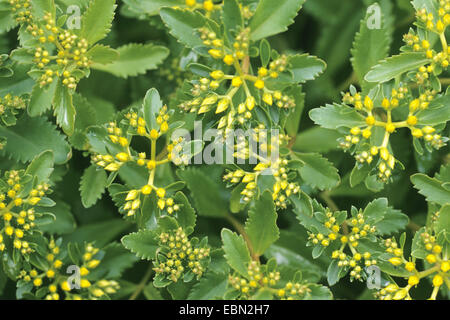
(438, 280)
(123, 157)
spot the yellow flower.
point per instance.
(84, 283)
(438, 280)
(410, 266)
(228, 59)
(154, 134)
(208, 5)
(259, 84)
(236, 82)
(161, 192)
(123, 157)
(396, 261)
(413, 280)
(445, 266)
(146, 189)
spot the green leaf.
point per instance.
(186, 216)
(64, 109)
(305, 67)
(92, 185)
(336, 116)
(396, 65)
(211, 286)
(114, 262)
(151, 106)
(231, 17)
(206, 194)
(293, 121)
(101, 54)
(333, 273)
(101, 233)
(386, 219)
(41, 166)
(431, 188)
(151, 7)
(261, 225)
(236, 251)
(41, 7)
(32, 136)
(318, 292)
(41, 99)
(143, 243)
(272, 17)
(370, 46)
(183, 25)
(7, 21)
(437, 112)
(134, 59)
(64, 222)
(97, 20)
(317, 171)
(316, 139)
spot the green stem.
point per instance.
(142, 284)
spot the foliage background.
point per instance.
(324, 28)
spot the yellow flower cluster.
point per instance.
(62, 54)
(207, 5)
(134, 125)
(282, 187)
(438, 25)
(235, 76)
(56, 282)
(179, 256)
(360, 136)
(9, 105)
(358, 229)
(439, 268)
(17, 212)
(22, 11)
(259, 278)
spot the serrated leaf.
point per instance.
(183, 25)
(41, 166)
(305, 67)
(41, 99)
(151, 7)
(272, 17)
(100, 54)
(64, 109)
(236, 251)
(231, 16)
(386, 219)
(317, 171)
(92, 185)
(370, 46)
(261, 225)
(96, 21)
(395, 66)
(143, 243)
(206, 194)
(211, 286)
(431, 188)
(134, 59)
(335, 116)
(32, 136)
(437, 112)
(186, 216)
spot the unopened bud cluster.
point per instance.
(179, 256)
